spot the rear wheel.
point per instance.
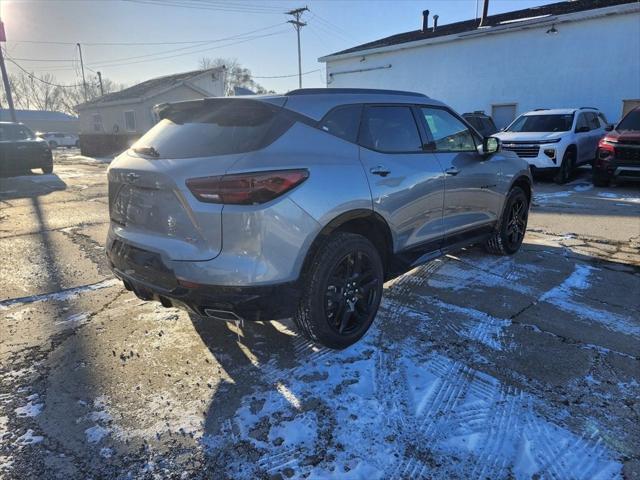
(48, 169)
(566, 167)
(342, 291)
(53, 144)
(513, 224)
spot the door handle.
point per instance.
(380, 170)
(452, 171)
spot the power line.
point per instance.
(46, 82)
(209, 6)
(287, 76)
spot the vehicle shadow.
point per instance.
(244, 352)
(30, 185)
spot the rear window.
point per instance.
(630, 122)
(213, 127)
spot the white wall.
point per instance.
(593, 62)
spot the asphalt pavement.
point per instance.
(477, 366)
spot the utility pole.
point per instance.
(84, 82)
(5, 77)
(297, 24)
(100, 82)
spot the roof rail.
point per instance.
(588, 108)
(362, 91)
(540, 109)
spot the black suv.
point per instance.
(21, 150)
(482, 122)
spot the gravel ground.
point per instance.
(476, 367)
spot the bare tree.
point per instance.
(237, 75)
(44, 92)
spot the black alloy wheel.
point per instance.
(351, 293)
(516, 223)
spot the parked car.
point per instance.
(558, 140)
(21, 150)
(482, 122)
(57, 139)
(619, 152)
(302, 205)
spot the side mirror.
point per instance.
(490, 145)
(608, 128)
(582, 129)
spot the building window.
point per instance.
(503, 114)
(130, 121)
(97, 122)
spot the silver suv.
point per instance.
(302, 205)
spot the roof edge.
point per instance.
(620, 9)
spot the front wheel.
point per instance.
(342, 291)
(512, 226)
(566, 168)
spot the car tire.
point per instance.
(512, 225)
(48, 169)
(346, 265)
(563, 175)
(600, 180)
(53, 145)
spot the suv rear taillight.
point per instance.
(246, 188)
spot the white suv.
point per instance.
(558, 139)
(56, 139)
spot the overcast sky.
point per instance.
(252, 31)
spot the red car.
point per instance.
(619, 152)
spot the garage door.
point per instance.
(503, 114)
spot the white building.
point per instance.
(113, 121)
(567, 54)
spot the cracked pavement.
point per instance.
(477, 366)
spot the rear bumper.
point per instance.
(149, 278)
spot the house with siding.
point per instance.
(111, 123)
(572, 54)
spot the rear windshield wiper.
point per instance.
(148, 151)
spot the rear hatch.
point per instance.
(149, 203)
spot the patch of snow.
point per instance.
(96, 433)
(583, 187)
(78, 318)
(63, 295)
(29, 410)
(106, 452)
(29, 438)
(563, 296)
(394, 412)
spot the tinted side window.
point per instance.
(582, 122)
(449, 134)
(592, 118)
(390, 129)
(603, 119)
(343, 122)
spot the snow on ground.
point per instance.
(358, 410)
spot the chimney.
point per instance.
(435, 22)
(425, 20)
(485, 13)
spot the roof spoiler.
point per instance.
(352, 91)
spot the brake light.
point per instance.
(246, 188)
